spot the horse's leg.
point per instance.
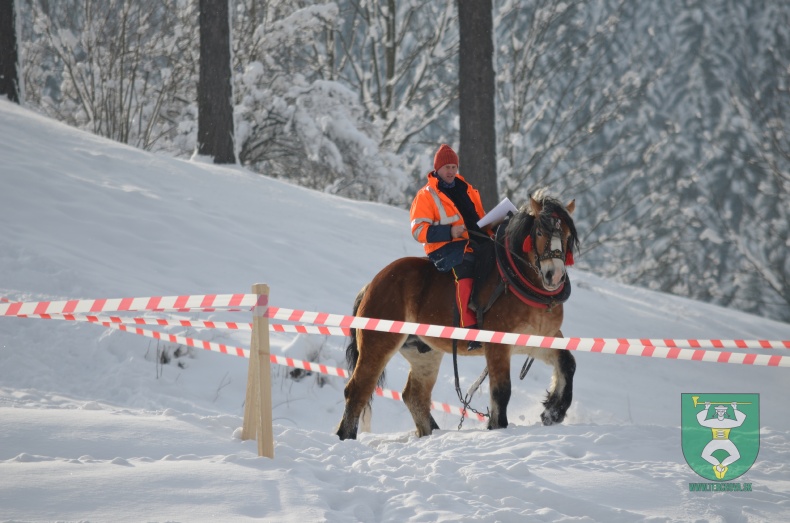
(424, 364)
(375, 350)
(560, 395)
(498, 361)
(366, 418)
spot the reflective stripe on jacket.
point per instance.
(432, 207)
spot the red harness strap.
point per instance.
(523, 280)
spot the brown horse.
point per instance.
(533, 247)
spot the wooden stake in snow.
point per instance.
(258, 405)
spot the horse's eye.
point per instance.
(539, 232)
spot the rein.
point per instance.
(465, 399)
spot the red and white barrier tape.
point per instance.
(438, 331)
(631, 347)
(203, 302)
(163, 322)
(303, 316)
(665, 348)
(690, 349)
(183, 340)
(279, 360)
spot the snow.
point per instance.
(94, 428)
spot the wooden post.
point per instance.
(258, 404)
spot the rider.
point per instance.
(443, 214)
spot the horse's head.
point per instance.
(544, 233)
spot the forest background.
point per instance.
(667, 121)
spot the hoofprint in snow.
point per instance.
(95, 427)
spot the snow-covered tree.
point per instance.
(665, 122)
(123, 70)
(401, 58)
(294, 120)
(740, 103)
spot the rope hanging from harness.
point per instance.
(464, 399)
(500, 289)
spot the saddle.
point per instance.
(485, 262)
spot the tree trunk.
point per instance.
(477, 152)
(9, 54)
(215, 109)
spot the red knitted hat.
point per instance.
(443, 156)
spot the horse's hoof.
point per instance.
(500, 425)
(345, 434)
(551, 417)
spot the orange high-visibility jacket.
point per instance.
(432, 207)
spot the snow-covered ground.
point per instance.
(92, 428)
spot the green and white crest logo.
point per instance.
(720, 433)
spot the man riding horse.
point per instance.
(531, 250)
(443, 214)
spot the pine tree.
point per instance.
(9, 53)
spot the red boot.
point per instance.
(463, 292)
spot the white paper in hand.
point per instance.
(498, 213)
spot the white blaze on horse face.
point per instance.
(553, 269)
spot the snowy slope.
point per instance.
(93, 429)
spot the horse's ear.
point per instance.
(527, 245)
(571, 206)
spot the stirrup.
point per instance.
(474, 345)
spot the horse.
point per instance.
(533, 247)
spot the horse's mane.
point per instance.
(522, 223)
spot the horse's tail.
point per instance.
(352, 351)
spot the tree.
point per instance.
(9, 54)
(123, 70)
(296, 119)
(747, 156)
(667, 126)
(567, 74)
(476, 97)
(215, 91)
(401, 58)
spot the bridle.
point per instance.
(563, 253)
(513, 278)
